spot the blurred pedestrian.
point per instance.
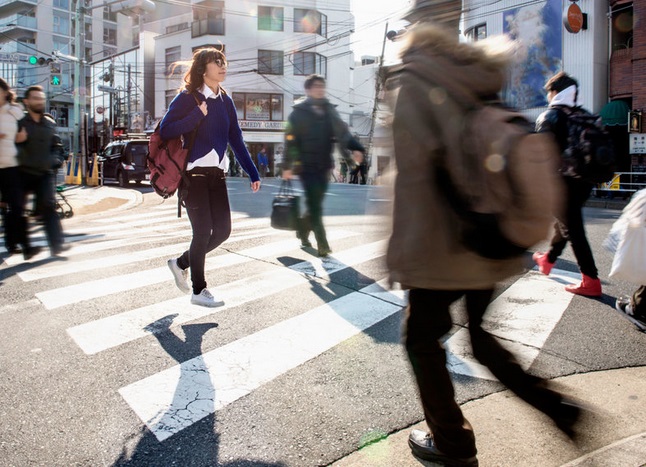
(314, 126)
(14, 221)
(39, 156)
(202, 103)
(438, 82)
(263, 162)
(562, 95)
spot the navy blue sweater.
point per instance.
(217, 129)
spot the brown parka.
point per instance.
(437, 79)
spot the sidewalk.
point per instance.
(511, 433)
(91, 200)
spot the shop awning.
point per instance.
(615, 113)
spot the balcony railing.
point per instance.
(205, 27)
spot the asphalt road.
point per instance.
(103, 361)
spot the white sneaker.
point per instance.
(205, 298)
(180, 276)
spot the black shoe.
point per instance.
(305, 243)
(568, 416)
(324, 251)
(423, 447)
(60, 249)
(30, 252)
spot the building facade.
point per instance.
(271, 49)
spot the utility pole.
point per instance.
(375, 107)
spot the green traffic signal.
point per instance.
(33, 60)
(56, 80)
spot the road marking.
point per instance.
(102, 334)
(523, 317)
(126, 258)
(174, 399)
(62, 296)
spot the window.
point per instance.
(173, 54)
(310, 21)
(88, 31)
(270, 18)
(61, 24)
(308, 63)
(109, 36)
(477, 33)
(62, 4)
(108, 14)
(208, 21)
(61, 44)
(270, 62)
(622, 27)
(169, 96)
(258, 106)
(109, 51)
(176, 27)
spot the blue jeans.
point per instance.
(44, 188)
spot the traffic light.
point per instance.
(33, 60)
(55, 80)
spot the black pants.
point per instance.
(570, 227)
(15, 224)
(428, 320)
(315, 186)
(44, 188)
(207, 204)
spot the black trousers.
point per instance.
(569, 227)
(44, 188)
(207, 205)
(639, 302)
(15, 223)
(428, 320)
(315, 186)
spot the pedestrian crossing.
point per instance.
(127, 254)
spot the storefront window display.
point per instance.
(258, 106)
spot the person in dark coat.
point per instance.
(562, 94)
(313, 129)
(39, 157)
(436, 85)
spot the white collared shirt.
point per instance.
(212, 158)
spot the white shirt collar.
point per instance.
(207, 92)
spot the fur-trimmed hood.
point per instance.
(467, 71)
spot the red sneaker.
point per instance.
(544, 265)
(588, 287)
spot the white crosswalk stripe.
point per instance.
(120, 250)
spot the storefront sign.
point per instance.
(637, 143)
(573, 18)
(262, 125)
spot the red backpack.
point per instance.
(167, 161)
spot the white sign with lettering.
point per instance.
(262, 125)
(637, 143)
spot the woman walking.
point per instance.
(206, 117)
(15, 224)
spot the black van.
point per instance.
(125, 161)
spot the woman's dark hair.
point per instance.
(5, 87)
(194, 77)
(312, 79)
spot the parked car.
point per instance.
(124, 161)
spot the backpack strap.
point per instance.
(182, 191)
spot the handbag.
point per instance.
(629, 262)
(285, 210)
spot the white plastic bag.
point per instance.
(629, 263)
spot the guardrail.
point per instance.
(622, 185)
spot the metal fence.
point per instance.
(622, 185)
